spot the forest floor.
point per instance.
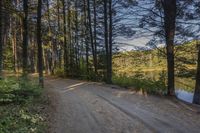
(88, 107)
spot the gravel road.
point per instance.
(87, 107)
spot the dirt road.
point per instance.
(84, 107)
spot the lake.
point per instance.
(184, 86)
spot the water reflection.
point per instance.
(184, 86)
(184, 95)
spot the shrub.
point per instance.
(59, 72)
(14, 90)
(20, 106)
(139, 83)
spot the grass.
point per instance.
(21, 107)
(139, 83)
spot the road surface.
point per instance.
(87, 107)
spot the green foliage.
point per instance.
(20, 119)
(150, 66)
(17, 91)
(59, 72)
(150, 60)
(8, 57)
(19, 106)
(139, 83)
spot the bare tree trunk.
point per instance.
(70, 48)
(59, 42)
(65, 40)
(110, 43)
(31, 55)
(95, 37)
(91, 36)
(196, 98)
(106, 39)
(39, 42)
(25, 38)
(76, 37)
(1, 38)
(86, 37)
(14, 43)
(51, 53)
(170, 24)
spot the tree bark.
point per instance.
(196, 98)
(59, 54)
(14, 44)
(108, 80)
(76, 38)
(65, 40)
(70, 50)
(39, 42)
(169, 26)
(25, 38)
(95, 37)
(110, 42)
(86, 37)
(91, 36)
(1, 38)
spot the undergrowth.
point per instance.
(21, 106)
(139, 83)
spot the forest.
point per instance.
(148, 46)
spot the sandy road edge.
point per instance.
(52, 100)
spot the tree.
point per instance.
(1, 41)
(95, 36)
(25, 38)
(91, 35)
(108, 80)
(39, 42)
(196, 98)
(65, 39)
(169, 7)
(110, 42)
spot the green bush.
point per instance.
(18, 119)
(59, 72)
(139, 83)
(14, 90)
(20, 106)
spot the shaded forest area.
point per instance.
(78, 38)
(82, 39)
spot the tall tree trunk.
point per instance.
(76, 38)
(91, 35)
(39, 42)
(170, 25)
(110, 42)
(95, 36)
(58, 39)
(65, 40)
(51, 52)
(196, 98)
(1, 38)
(32, 54)
(58, 13)
(86, 37)
(106, 39)
(14, 43)
(70, 48)
(25, 38)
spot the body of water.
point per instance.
(184, 95)
(184, 86)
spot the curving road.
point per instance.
(87, 107)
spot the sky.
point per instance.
(125, 44)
